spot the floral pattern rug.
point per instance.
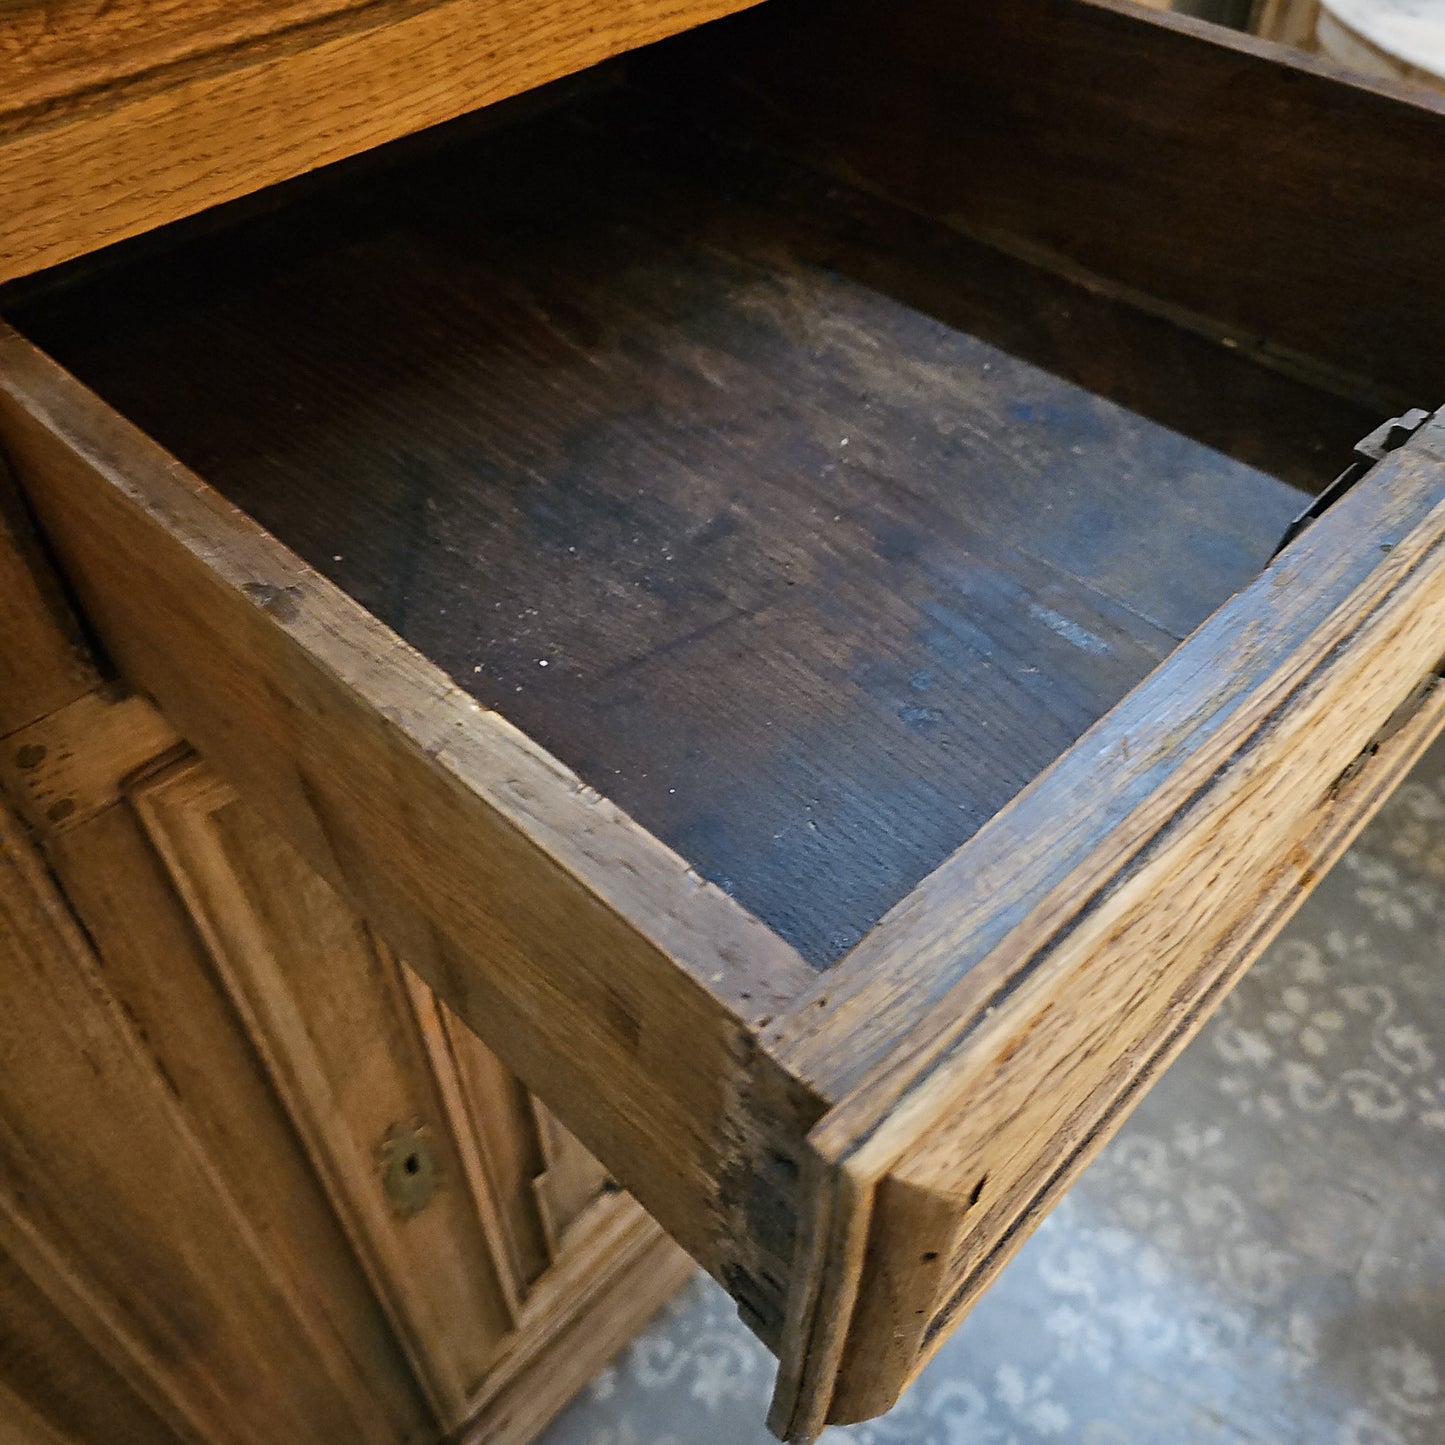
(1258, 1258)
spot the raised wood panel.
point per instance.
(572, 1179)
(599, 1281)
(616, 1271)
(163, 979)
(388, 1089)
(329, 1014)
(66, 775)
(111, 1203)
(497, 1141)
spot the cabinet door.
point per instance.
(257, 1184)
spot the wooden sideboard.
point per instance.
(756, 571)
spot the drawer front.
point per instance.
(166, 110)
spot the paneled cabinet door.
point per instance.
(256, 1184)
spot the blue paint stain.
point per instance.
(920, 717)
(1043, 414)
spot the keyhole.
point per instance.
(408, 1169)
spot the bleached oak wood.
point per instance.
(571, 1179)
(616, 1271)
(69, 772)
(72, 765)
(507, 1273)
(200, 103)
(133, 784)
(142, 1246)
(927, 1194)
(497, 1138)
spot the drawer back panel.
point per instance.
(1263, 195)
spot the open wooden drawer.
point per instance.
(781, 629)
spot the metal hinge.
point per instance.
(1373, 449)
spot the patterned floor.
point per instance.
(1257, 1259)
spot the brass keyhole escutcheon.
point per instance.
(408, 1169)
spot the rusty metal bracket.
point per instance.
(1369, 452)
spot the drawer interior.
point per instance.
(803, 526)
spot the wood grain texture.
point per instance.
(73, 764)
(494, 1132)
(162, 980)
(612, 1270)
(536, 1177)
(582, 950)
(56, 54)
(1126, 776)
(571, 1179)
(1219, 785)
(67, 775)
(21, 1424)
(1127, 147)
(760, 504)
(246, 116)
(52, 1379)
(43, 665)
(562, 339)
(344, 1032)
(929, 1206)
